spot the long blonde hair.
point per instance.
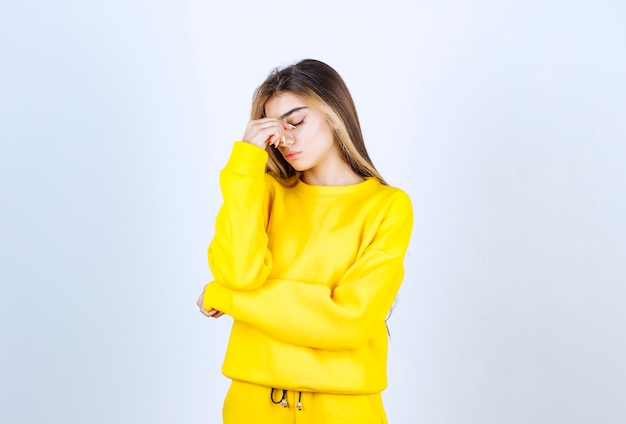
(321, 87)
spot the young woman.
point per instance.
(307, 258)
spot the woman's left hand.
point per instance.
(213, 313)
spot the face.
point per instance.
(310, 147)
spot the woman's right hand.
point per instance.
(213, 313)
(264, 131)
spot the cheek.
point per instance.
(321, 132)
(306, 135)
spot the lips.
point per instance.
(291, 155)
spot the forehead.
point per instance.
(282, 103)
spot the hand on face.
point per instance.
(264, 131)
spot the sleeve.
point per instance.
(238, 253)
(315, 316)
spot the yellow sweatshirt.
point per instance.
(309, 274)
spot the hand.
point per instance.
(213, 313)
(262, 132)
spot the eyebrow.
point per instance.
(295, 109)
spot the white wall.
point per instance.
(505, 122)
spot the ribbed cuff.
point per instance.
(218, 297)
(247, 159)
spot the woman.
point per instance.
(307, 258)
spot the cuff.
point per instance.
(248, 159)
(218, 297)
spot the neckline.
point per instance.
(333, 190)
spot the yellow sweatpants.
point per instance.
(247, 403)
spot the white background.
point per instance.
(504, 120)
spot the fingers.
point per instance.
(200, 304)
(211, 313)
(262, 132)
(288, 127)
(207, 313)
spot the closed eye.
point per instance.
(295, 124)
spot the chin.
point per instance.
(299, 167)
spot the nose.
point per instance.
(288, 137)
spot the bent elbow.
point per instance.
(238, 272)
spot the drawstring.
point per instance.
(283, 400)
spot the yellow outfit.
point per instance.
(251, 404)
(308, 274)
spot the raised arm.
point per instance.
(238, 254)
